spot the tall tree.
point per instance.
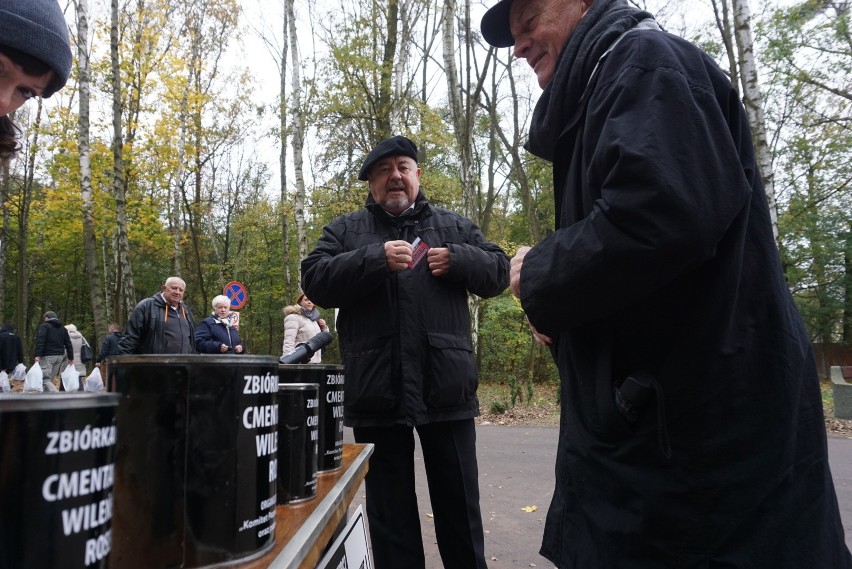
(753, 101)
(282, 151)
(93, 273)
(26, 197)
(297, 110)
(124, 290)
(460, 108)
(738, 40)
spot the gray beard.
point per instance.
(397, 204)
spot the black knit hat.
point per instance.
(38, 28)
(395, 146)
(495, 25)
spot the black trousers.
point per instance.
(449, 455)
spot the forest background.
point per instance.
(213, 139)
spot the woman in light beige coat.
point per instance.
(301, 323)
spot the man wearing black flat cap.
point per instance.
(692, 429)
(400, 271)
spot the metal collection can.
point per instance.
(330, 380)
(298, 441)
(57, 474)
(196, 467)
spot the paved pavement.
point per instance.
(516, 472)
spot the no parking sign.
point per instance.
(238, 294)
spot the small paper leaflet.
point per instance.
(420, 250)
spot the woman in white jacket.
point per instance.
(301, 323)
(77, 341)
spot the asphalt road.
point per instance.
(516, 472)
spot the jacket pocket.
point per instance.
(450, 378)
(369, 386)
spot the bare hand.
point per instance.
(398, 254)
(323, 326)
(223, 348)
(239, 349)
(515, 270)
(539, 337)
(439, 260)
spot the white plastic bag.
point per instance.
(94, 382)
(33, 379)
(70, 379)
(5, 386)
(20, 373)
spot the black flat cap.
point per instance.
(395, 146)
(495, 25)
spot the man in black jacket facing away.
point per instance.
(110, 347)
(52, 345)
(400, 271)
(11, 351)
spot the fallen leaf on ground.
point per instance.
(529, 509)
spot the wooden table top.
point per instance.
(304, 530)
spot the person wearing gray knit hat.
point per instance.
(35, 57)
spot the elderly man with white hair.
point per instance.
(161, 324)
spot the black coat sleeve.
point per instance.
(205, 341)
(479, 265)
(662, 175)
(332, 276)
(132, 338)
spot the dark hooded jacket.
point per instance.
(11, 351)
(109, 347)
(52, 339)
(146, 328)
(663, 267)
(405, 335)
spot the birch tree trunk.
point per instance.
(405, 43)
(93, 273)
(385, 97)
(125, 295)
(282, 154)
(463, 110)
(297, 140)
(459, 110)
(753, 102)
(179, 180)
